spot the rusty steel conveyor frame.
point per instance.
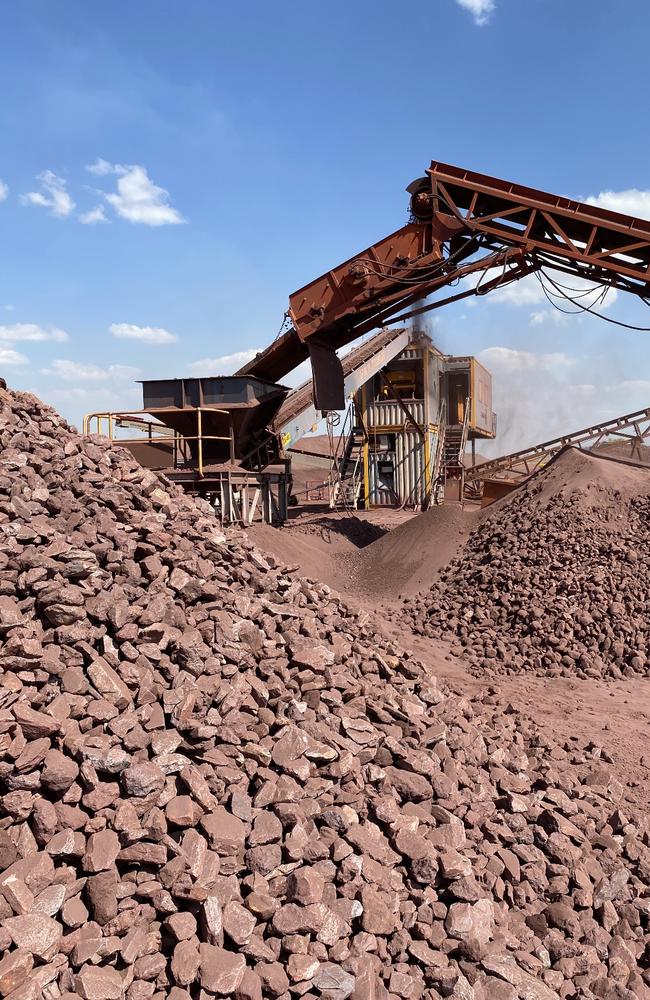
(462, 223)
(527, 461)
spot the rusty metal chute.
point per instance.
(225, 418)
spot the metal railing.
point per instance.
(155, 432)
(528, 460)
(464, 433)
(440, 450)
(339, 455)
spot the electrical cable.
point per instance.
(284, 322)
(582, 271)
(582, 308)
(428, 270)
(550, 298)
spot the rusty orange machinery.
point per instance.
(461, 223)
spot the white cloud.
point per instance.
(94, 216)
(74, 401)
(225, 365)
(4, 191)
(101, 168)
(10, 357)
(509, 360)
(18, 332)
(299, 375)
(522, 292)
(543, 316)
(145, 334)
(539, 396)
(481, 10)
(53, 195)
(630, 202)
(583, 389)
(137, 198)
(634, 385)
(73, 371)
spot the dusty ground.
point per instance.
(337, 549)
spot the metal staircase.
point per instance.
(452, 441)
(346, 473)
(452, 452)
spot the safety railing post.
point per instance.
(200, 439)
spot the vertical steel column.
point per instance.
(199, 426)
(366, 475)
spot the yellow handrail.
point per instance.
(153, 428)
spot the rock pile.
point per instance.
(554, 581)
(216, 781)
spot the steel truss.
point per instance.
(632, 427)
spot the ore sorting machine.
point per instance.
(226, 437)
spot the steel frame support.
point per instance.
(469, 223)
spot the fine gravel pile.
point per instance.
(216, 781)
(555, 579)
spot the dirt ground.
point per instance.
(373, 558)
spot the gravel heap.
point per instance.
(216, 781)
(555, 580)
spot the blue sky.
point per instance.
(238, 152)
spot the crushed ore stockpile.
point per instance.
(555, 579)
(216, 781)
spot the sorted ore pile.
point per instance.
(216, 781)
(555, 579)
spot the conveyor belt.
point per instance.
(524, 463)
(302, 397)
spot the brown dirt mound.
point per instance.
(554, 579)
(409, 558)
(321, 547)
(622, 449)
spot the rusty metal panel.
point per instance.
(494, 489)
(327, 372)
(330, 297)
(482, 415)
(159, 393)
(152, 454)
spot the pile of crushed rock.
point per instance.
(216, 780)
(554, 579)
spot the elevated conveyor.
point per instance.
(462, 223)
(632, 427)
